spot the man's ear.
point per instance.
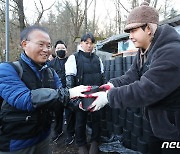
(149, 30)
(23, 44)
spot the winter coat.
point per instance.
(153, 85)
(86, 67)
(28, 98)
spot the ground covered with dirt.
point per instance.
(59, 146)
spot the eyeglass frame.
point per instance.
(41, 45)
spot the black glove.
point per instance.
(70, 81)
(74, 104)
(64, 96)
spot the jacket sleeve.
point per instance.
(49, 97)
(70, 66)
(13, 90)
(159, 81)
(73, 104)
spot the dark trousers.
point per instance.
(70, 119)
(81, 121)
(59, 118)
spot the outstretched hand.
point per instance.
(106, 87)
(100, 101)
(78, 91)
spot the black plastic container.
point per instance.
(107, 75)
(110, 127)
(126, 134)
(133, 139)
(138, 120)
(118, 130)
(118, 73)
(130, 115)
(111, 74)
(137, 130)
(129, 125)
(86, 102)
(142, 146)
(118, 60)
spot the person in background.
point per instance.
(58, 64)
(153, 81)
(25, 115)
(85, 68)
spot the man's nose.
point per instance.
(130, 36)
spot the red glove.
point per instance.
(106, 87)
(99, 102)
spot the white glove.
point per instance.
(106, 86)
(77, 91)
(100, 101)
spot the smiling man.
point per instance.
(37, 46)
(25, 115)
(153, 81)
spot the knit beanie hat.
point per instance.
(142, 15)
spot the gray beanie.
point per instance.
(142, 15)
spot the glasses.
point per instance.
(41, 45)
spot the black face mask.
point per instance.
(61, 53)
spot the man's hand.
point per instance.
(100, 101)
(77, 91)
(106, 87)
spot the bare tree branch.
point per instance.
(89, 4)
(14, 7)
(155, 3)
(123, 7)
(77, 15)
(42, 10)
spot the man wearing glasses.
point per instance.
(29, 100)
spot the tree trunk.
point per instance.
(21, 15)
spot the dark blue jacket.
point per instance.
(15, 92)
